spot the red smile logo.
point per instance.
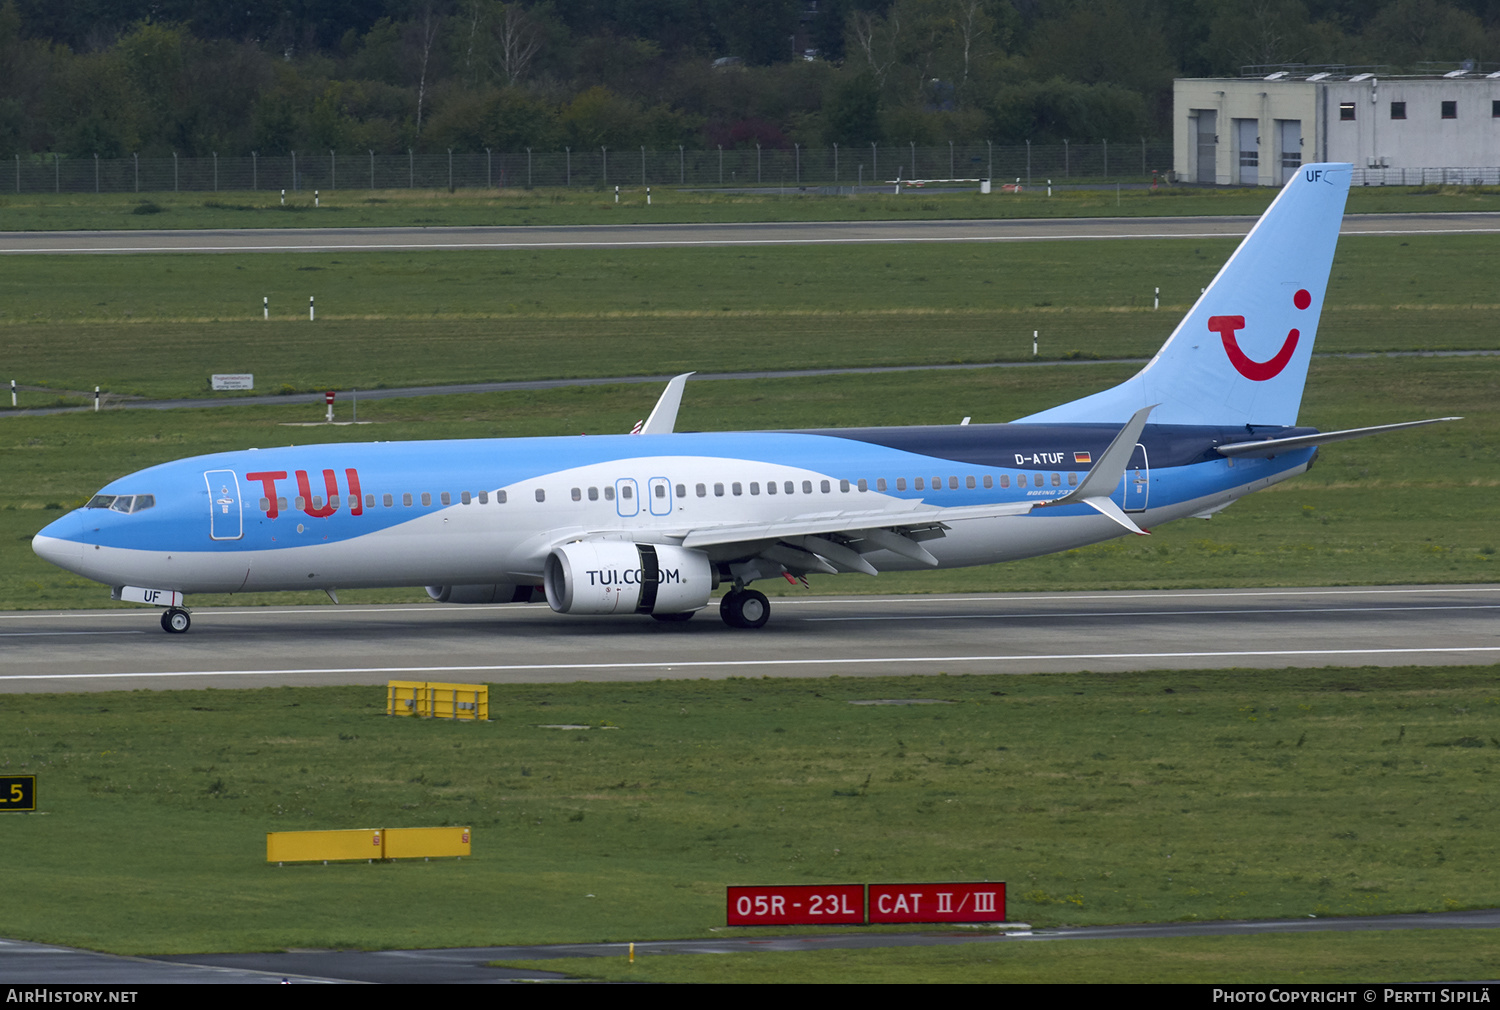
(1257, 371)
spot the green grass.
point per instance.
(1098, 798)
(1301, 958)
(159, 326)
(362, 208)
(1409, 507)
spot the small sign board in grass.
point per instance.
(18, 793)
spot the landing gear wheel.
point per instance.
(175, 621)
(674, 618)
(744, 608)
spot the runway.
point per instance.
(807, 637)
(609, 236)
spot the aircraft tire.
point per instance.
(175, 621)
(674, 618)
(744, 608)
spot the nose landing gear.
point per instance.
(175, 621)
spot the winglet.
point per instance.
(664, 415)
(1104, 476)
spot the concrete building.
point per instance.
(1395, 130)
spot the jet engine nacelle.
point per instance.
(501, 592)
(611, 577)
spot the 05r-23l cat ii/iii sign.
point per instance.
(653, 522)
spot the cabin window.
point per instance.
(863, 484)
(736, 489)
(770, 487)
(969, 483)
(1057, 480)
(682, 490)
(426, 499)
(465, 497)
(952, 483)
(317, 501)
(718, 490)
(807, 487)
(1073, 478)
(369, 501)
(541, 495)
(593, 494)
(484, 497)
(578, 494)
(609, 494)
(989, 482)
(701, 490)
(500, 497)
(844, 486)
(661, 490)
(824, 486)
(265, 504)
(446, 498)
(900, 483)
(755, 487)
(299, 502)
(880, 484)
(627, 491)
(920, 484)
(1005, 480)
(1020, 480)
(281, 504)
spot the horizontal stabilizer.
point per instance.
(1268, 447)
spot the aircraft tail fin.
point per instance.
(1240, 355)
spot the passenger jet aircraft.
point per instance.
(652, 523)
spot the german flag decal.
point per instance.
(1082, 457)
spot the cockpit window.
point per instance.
(122, 502)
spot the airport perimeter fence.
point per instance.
(1426, 177)
(792, 167)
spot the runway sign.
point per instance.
(958, 902)
(17, 792)
(797, 905)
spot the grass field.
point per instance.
(362, 208)
(159, 326)
(1098, 798)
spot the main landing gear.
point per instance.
(175, 621)
(744, 608)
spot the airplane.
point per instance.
(653, 522)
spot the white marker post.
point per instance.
(310, 315)
(328, 399)
(1033, 343)
(283, 198)
(96, 399)
(1156, 299)
(648, 196)
(316, 198)
(1049, 187)
(617, 194)
(265, 307)
(12, 392)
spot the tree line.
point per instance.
(157, 77)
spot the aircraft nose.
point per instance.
(61, 541)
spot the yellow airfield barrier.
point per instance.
(438, 701)
(368, 844)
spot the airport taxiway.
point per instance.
(810, 636)
(629, 236)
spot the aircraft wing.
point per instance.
(1276, 446)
